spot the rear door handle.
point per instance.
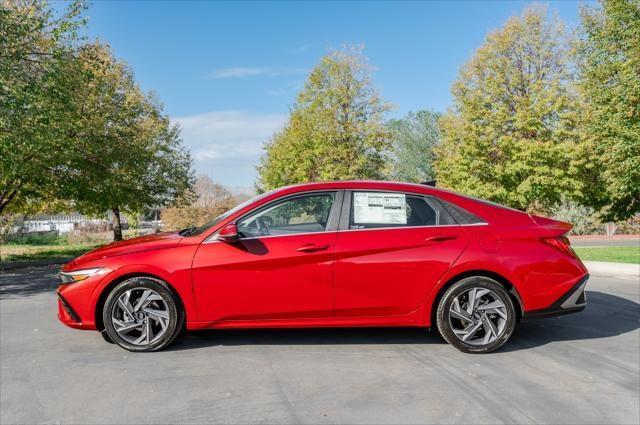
(441, 238)
(312, 247)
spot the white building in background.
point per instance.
(63, 224)
(68, 223)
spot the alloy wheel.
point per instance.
(478, 316)
(140, 316)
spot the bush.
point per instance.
(630, 226)
(584, 219)
(181, 218)
(37, 238)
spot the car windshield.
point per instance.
(218, 219)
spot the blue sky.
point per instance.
(229, 72)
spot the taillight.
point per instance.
(561, 243)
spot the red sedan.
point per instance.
(335, 254)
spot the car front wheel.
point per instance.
(141, 314)
(476, 315)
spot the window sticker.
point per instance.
(373, 207)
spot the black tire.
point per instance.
(175, 314)
(106, 337)
(444, 323)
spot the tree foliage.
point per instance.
(126, 153)
(76, 131)
(512, 134)
(211, 200)
(413, 142)
(36, 50)
(609, 55)
(335, 130)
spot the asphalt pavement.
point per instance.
(581, 368)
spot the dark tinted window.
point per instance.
(303, 214)
(459, 214)
(370, 210)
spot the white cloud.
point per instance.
(227, 145)
(242, 72)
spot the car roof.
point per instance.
(359, 184)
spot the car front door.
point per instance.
(391, 250)
(280, 268)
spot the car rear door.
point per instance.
(280, 268)
(391, 250)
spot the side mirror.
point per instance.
(228, 233)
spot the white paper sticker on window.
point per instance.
(372, 207)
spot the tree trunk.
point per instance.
(117, 224)
(6, 198)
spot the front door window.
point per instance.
(302, 214)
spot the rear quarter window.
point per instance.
(458, 214)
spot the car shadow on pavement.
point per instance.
(27, 282)
(605, 316)
(317, 336)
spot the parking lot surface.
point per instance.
(581, 368)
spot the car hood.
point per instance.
(128, 246)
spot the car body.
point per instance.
(336, 254)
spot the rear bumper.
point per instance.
(573, 301)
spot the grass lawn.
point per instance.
(614, 254)
(26, 252)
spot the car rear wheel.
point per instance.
(141, 314)
(476, 315)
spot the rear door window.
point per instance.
(372, 210)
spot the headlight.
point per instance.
(78, 275)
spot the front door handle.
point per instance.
(312, 247)
(440, 238)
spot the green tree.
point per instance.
(512, 134)
(335, 130)
(609, 59)
(414, 139)
(125, 154)
(36, 50)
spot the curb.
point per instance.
(33, 263)
(601, 268)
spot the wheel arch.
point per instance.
(119, 279)
(510, 287)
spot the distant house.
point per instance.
(62, 224)
(75, 222)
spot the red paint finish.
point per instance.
(390, 271)
(336, 277)
(264, 278)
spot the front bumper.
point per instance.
(66, 313)
(573, 301)
(74, 307)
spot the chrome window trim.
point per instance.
(414, 227)
(351, 230)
